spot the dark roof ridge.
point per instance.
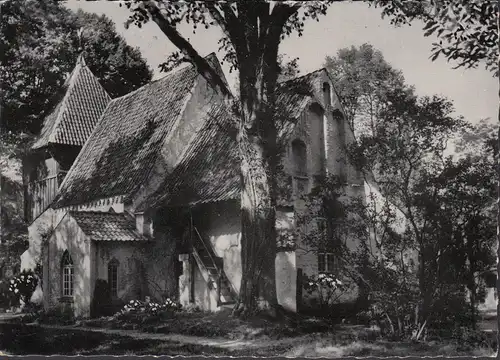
(281, 83)
(168, 74)
(107, 212)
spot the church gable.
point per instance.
(128, 142)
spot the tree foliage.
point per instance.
(40, 42)
(363, 80)
(252, 32)
(429, 216)
(467, 29)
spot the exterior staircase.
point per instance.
(212, 268)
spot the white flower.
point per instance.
(16, 291)
(12, 281)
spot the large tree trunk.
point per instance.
(498, 233)
(259, 156)
(498, 214)
(258, 241)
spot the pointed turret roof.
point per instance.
(76, 115)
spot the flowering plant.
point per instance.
(23, 285)
(327, 286)
(286, 240)
(138, 306)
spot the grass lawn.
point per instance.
(217, 334)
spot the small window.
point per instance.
(327, 263)
(67, 275)
(327, 94)
(299, 155)
(113, 277)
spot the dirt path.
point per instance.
(222, 343)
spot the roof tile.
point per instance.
(101, 226)
(119, 155)
(75, 116)
(125, 144)
(209, 168)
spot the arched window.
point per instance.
(327, 94)
(341, 124)
(67, 274)
(299, 155)
(113, 277)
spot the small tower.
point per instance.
(63, 134)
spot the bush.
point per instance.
(137, 306)
(142, 312)
(467, 339)
(326, 287)
(23, 285)
(102, 304)
(7, 298)
(60, 315)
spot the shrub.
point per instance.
(467, 338)
(7, 298)
(326, 287)
(142, 312)
(137, 306)
(23, 286)
(101, 302)
(61, 315)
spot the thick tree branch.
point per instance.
(204, 68)
(229, 24)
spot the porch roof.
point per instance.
(105, 226)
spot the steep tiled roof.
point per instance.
(123, 148)
(292, 98)
(101, 226)
(208, 170)
(76, 115)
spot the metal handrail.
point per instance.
(220, 271)
(208, 251)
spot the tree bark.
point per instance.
(255, 32)
(258, 155)
(498, 213)
(258, 285)
(498, 233)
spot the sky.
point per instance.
(474, 92)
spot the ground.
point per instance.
(203, 334)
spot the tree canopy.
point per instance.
(430, 218)
(39, 44)
(252, 32)
(467, 30)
